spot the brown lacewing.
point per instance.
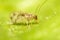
(15, 16)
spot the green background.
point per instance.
(48, 12)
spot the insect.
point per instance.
(15, 17)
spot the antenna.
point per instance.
(39, 7)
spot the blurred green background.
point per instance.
(48, 12)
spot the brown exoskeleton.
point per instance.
(16, 16)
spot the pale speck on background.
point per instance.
(55, 13)
(46, 18)
(9, 30)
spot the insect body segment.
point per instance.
(16, 17)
